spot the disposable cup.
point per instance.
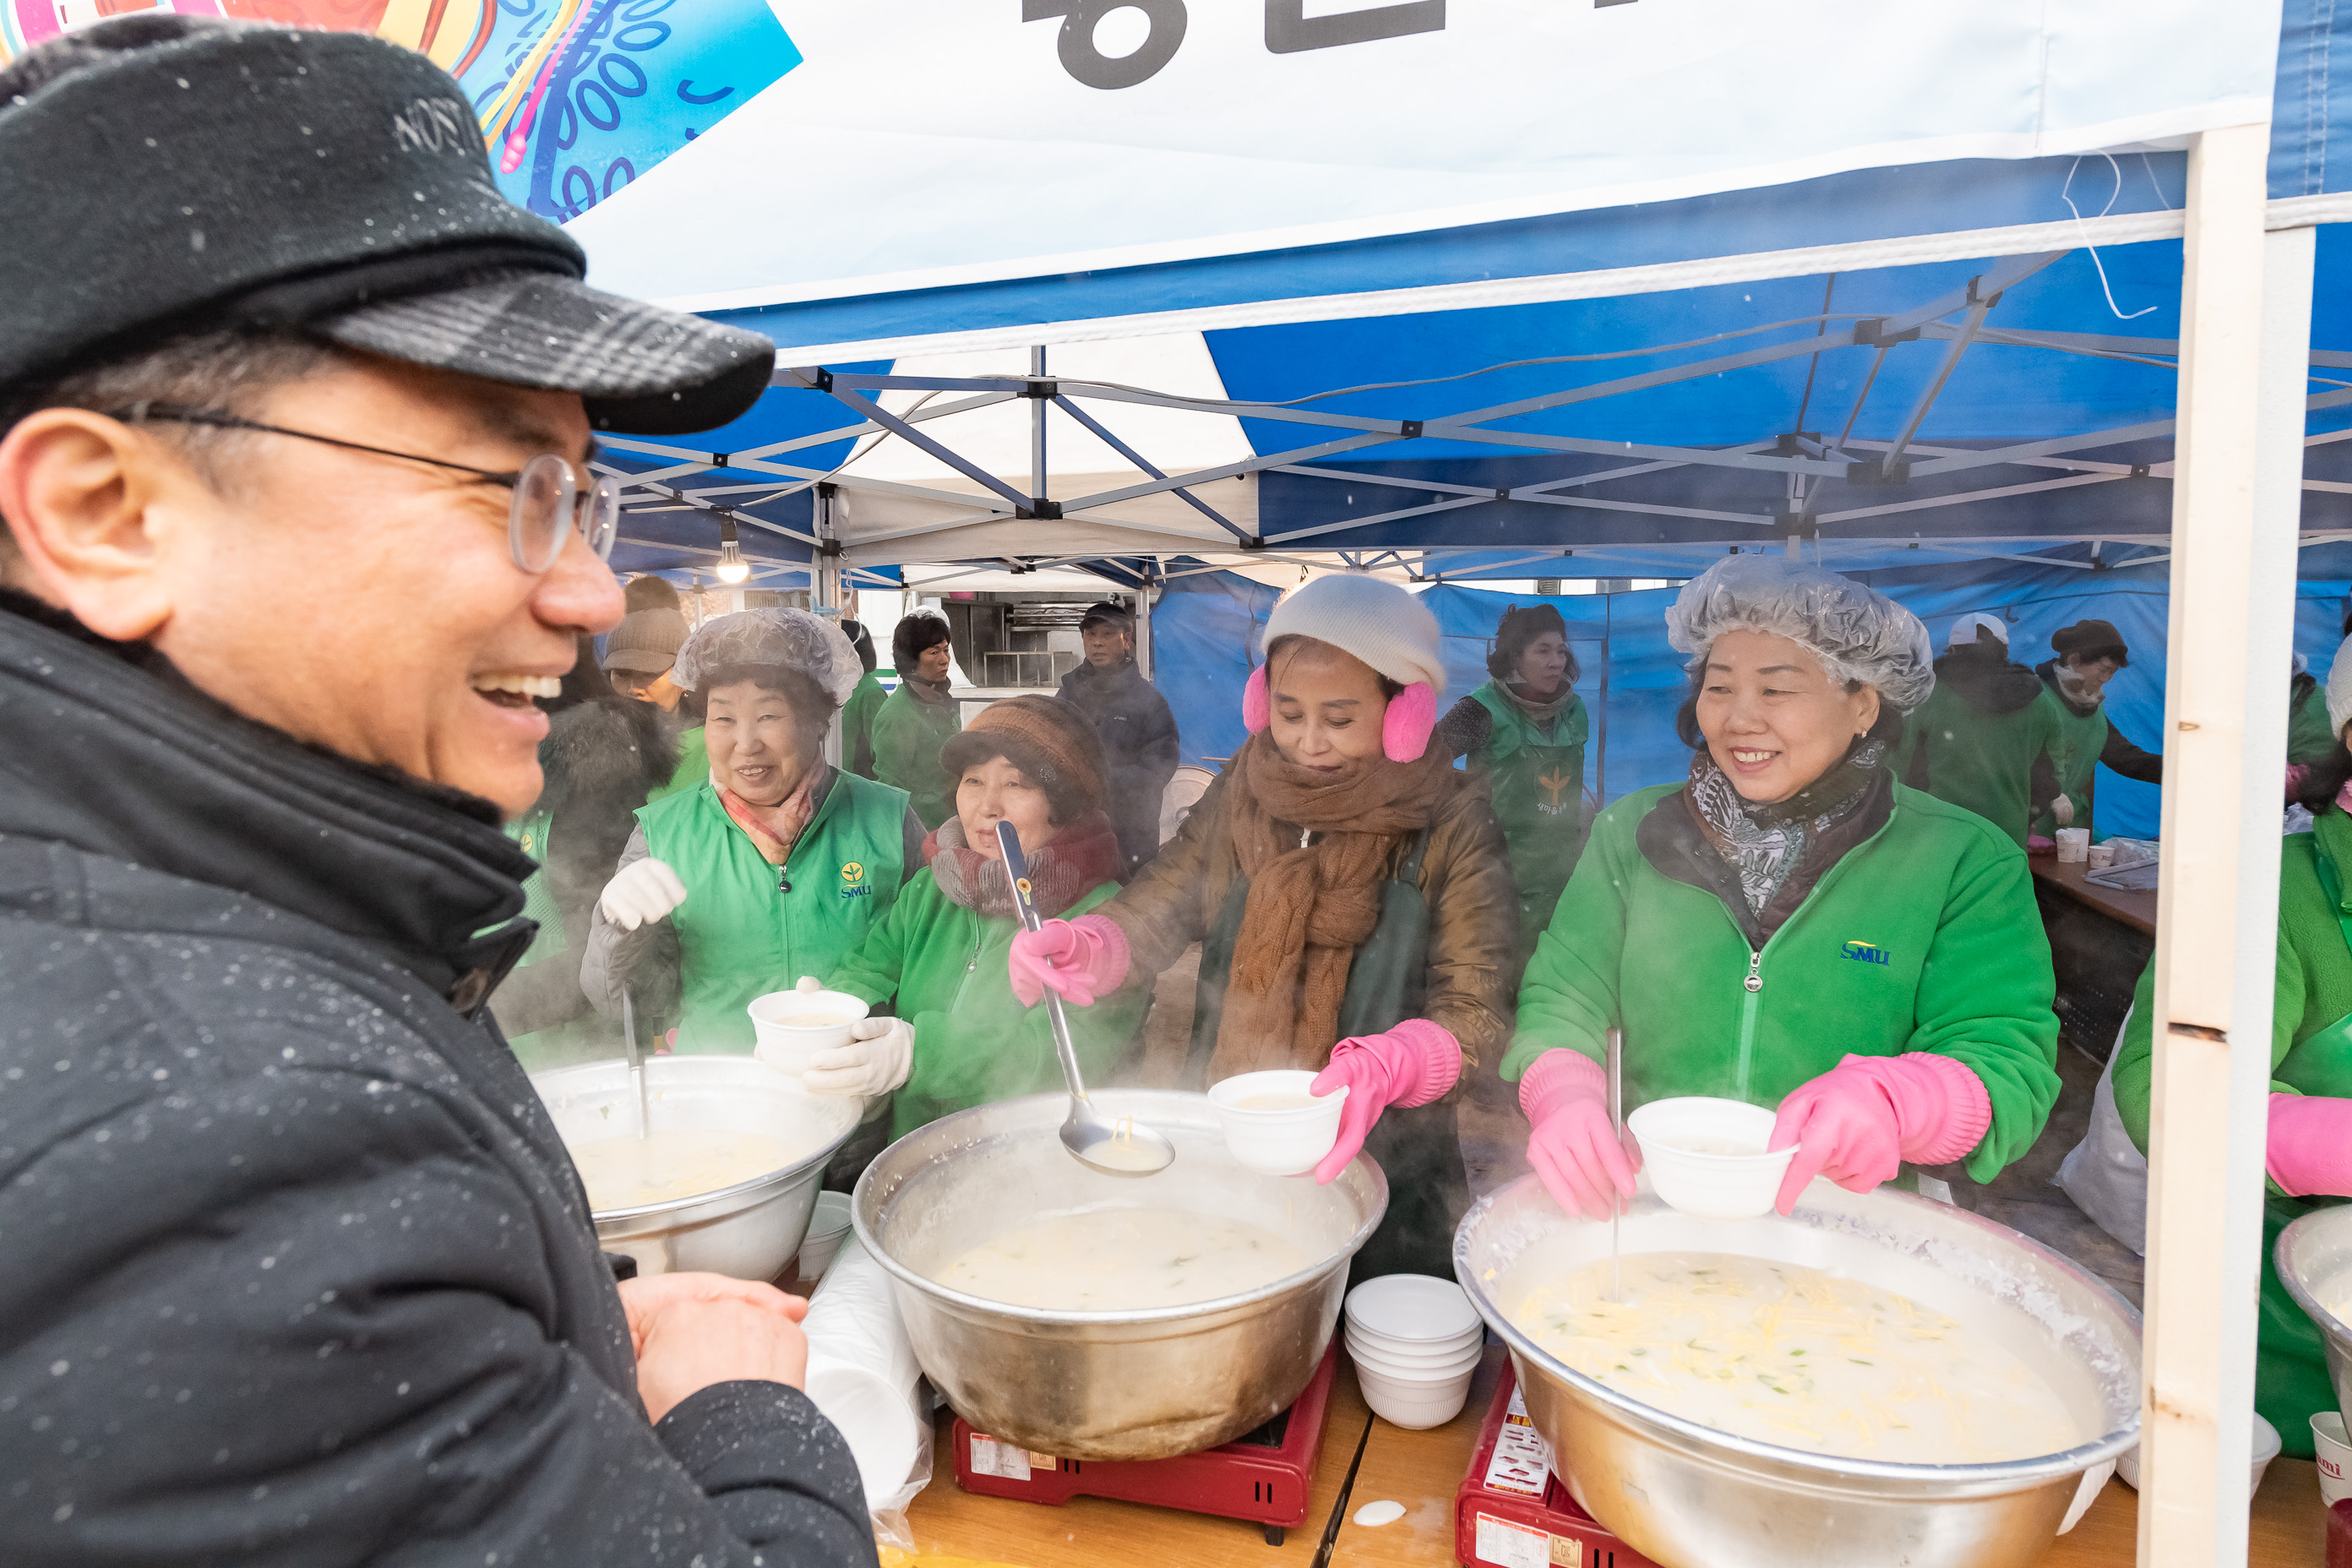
(1706, 1157)
(1413, 1405)
(792, 1027)
(2334, 1457)
(2099, 856)
(827, 1225)
(1417, 1308)
(2074, 844)
(1273, 1125)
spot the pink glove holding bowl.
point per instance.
(1571, 1144)
(1413, 1064)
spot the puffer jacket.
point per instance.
(299, 1271)
(1465, 880)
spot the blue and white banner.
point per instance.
(905, 144)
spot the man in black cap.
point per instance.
(295, 466)
(2067, 775)
(1137, 732)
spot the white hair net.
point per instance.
(1857, 633)
(787, 639)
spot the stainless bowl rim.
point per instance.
(1059, 1317)
(2282, 1249)
(1832, 1469)
(776, 1177)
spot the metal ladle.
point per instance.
(1121, 1148)
(1617, 1128)
(637, 1062)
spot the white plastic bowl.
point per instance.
(2266, 1448)
(788, 1045)
(1419, 1309)
(1413, 1405)
(827, 1225)
(1415, 1352)
(1288, 1138)
(1706, 1157)
(1432, 1370)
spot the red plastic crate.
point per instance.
(1511, 1510)
(1263, 1478)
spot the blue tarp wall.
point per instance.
(1206, 631)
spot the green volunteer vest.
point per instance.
(1538, 784)
(2076, 755)
(748, 927)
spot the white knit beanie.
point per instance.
(2339, 688)
(1386, 627)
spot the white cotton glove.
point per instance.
(878, 1058)
(643, 892)
(2062, 809)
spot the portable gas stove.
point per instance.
(1262, 1477)
(1512, 1511)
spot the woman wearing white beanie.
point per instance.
(1353, 899)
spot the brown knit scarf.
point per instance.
(1308, 908)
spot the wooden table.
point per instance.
(2132, 906)
(2100, 940)
(1421, 1471)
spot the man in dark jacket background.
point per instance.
(1137, 732)
(294, 444)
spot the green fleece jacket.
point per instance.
(1925, 937)
(1975, 741)
(948, 967)
(2312, 989)
(907, 735)
(858, 725)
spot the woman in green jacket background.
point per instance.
(2086, 657)
(913, 723)
(1525, 731)
(1978, 738)
(857, 713)
(941, 958)
(2308, 1151)
(1792, 927)
(774, 865)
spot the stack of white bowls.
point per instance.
(1415, 1341)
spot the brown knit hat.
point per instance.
(2090, 639)
(1051, 741)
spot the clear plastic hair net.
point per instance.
(1857, 633)
(791, 639)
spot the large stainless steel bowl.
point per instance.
(1688, 1496)
(1107, 1385)
(2313, 1258)
(749, 1229)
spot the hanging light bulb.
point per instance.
(732, 567)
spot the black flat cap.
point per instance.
(166, 174)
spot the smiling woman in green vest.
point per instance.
(775, 866)
(1790, 926)
(1525, 731)
(960, 1038)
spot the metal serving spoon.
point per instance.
(636, 1061)
(1121, 1148)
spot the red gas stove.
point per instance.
(1263, 1477)
(1512, 1511)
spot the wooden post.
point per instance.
(2244, 339)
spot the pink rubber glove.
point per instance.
(1411, 1065)
(1080, 959)
(1858, 1122)
(2309, 1150)
(1573, 1147)
(2037, 845)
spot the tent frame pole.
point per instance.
(2225, 733)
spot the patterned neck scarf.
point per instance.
(1765, 842)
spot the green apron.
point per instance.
(1536, 781)
(1419, 1149)
(2291, 1382)
(2075, 759)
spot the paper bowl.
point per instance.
(1420, 1309)
(1413, 1405)
(1409, 1369)
(827, 1225)
(1285, 1141)
(792, 1027)
(1416, 1351)
(1706, 1157)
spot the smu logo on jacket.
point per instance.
(852, 880)
(1867, 953)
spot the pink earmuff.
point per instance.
(1412, 717)
(1258, 708)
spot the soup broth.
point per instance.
(1122, 1260)
(675, 1162)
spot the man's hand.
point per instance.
(692, 1331)
(2062, 809)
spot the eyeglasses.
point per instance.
(547, 490)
